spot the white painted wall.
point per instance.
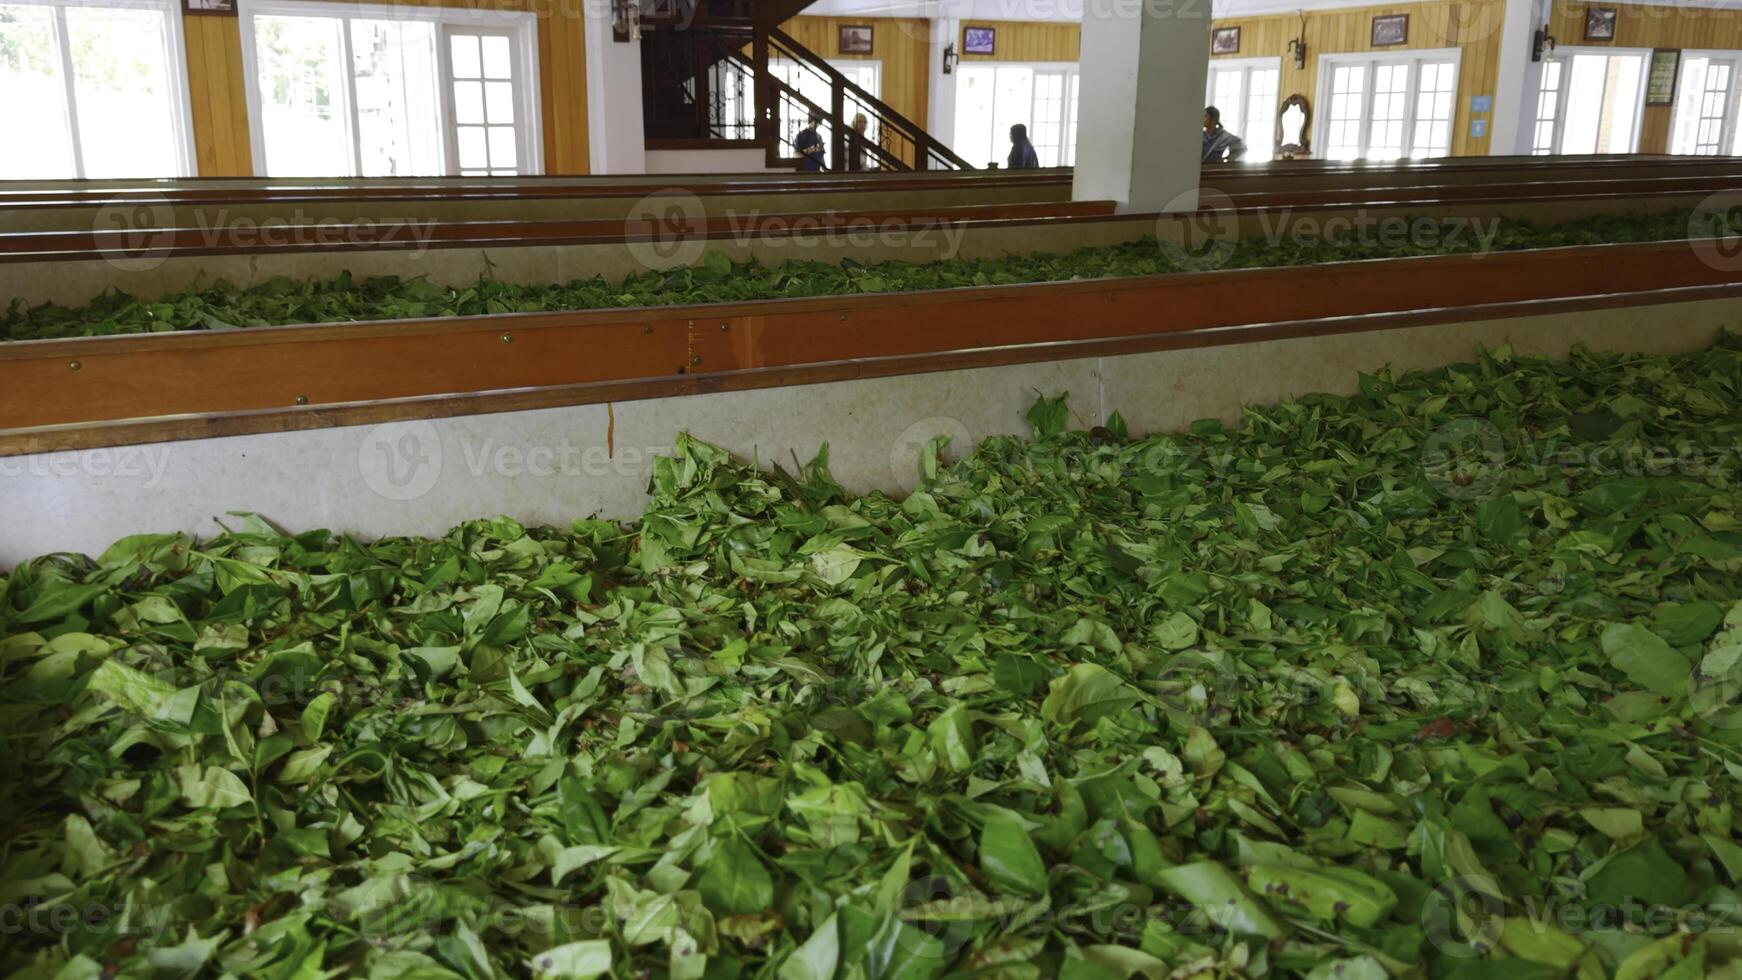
(552, 465)
(616, 135)
(940, 118)
(733, 161)
(1140, 114)
(1519, 79)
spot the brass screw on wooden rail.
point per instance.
(725, 326)
(302, 399)
(647, 328)
(508, 338)
(75, 365)
(695, 358)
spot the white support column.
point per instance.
(1519, 80)
(616, 134)
(940, 113)
(1140, 116)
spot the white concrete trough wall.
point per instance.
(552, 465)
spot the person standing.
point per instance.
(809, 144)
(1022, 155)
(856, 143)
(1219, 144)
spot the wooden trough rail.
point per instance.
(1619, 195)
(70, 394)
(1282, 174)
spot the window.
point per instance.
(481, 79)
(1387, 107)
(1547, 110)
(1705, 104)
(1069, 157)
(1590, 102)
(91, 90)
(1244, 91)
(362, 91)
(990, 98)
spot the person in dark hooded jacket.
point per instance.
(1022, 155)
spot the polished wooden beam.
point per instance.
(109, 379)
(92, 435)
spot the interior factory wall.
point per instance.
(217, 85)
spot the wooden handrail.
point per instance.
(923, 142)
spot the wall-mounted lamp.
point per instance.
(625, 21)
(1542, 45)
(1297, 47)
(951, 59)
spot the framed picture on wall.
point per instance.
(1600, 23)
(854, 39)
(1660, 83)
(979, 40)
(1389, 30)
(210, 8)
(1225, 40)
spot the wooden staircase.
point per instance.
(722, 72)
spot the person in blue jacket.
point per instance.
(1022, 155)
(1219, 144)
(809, 144)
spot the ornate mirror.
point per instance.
(1292, 123)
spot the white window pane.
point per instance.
(498, 63)
(1622, 106)
(32, 97)
(468, 102)
(1015, 104)
(398, 126)
(976, 141)
(464, 54)
(471, 143)
(121, 89)
(499, 101)
(302, 92)
(502, 153)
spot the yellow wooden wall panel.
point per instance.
(1026, 41)
(222, 146)
(1473, 26)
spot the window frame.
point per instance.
(176, 78)
(1069, 109)
(1729, 131)
(1245, 66)
(1564, 55)
(520, 26)
(1372, 60)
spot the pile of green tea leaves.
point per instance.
(1428, 681)
(280, 300)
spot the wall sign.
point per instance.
(1481, 103)
(854, 39)
(1660, 83)
(979, 40)
(210, 8)
(1389, 30)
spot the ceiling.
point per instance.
(1071, 11)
